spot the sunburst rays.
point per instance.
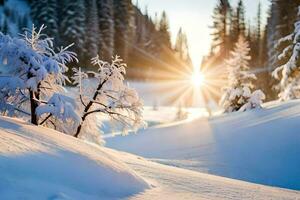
(191, 88)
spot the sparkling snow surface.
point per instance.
(259, 146)
(38, 163)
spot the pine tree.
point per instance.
(280, 23)
(264, 78)
(181, 46)
(92, 30)
(238, 95)
(141, 24)
(124, 25)
(164, 30)
(131, 26)
(264, 48)
(290, 70)
(221, 18)
(238, 26)
(23, 22)
(258, 40)
(73, 25)
(249, 33)
(282, 16)
(241, 18)
(5, 28)
(156, 21)
(258, 31)
(44, 12)
(106, 26)
(152, 36)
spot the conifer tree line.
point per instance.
(108, 28)
(230, 22)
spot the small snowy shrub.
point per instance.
(109, 96)
(254, 101)
(237, 94)
(290, 71)
(33, 77)
(181, 114)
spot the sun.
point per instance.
(197, 79)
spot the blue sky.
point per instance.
(195, 18)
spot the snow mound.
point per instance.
(39, 163)
(260, 146)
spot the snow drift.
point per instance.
(39, 163)
(260, 146)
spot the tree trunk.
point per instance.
(87, 108)
(33, 107)
(78, 131)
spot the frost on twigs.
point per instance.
(108, 95)
(289, 72)
(33, 78)
(237, 94)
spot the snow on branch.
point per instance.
(36, 75)
(237, 94)
(288, 73)
(60, 107)
(108, 95)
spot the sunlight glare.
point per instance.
(197, 79)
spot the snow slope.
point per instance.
(180, 184)
(261, 146)
(38, 163)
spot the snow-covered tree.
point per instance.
(164, 30)
(33, 76)
(141, 29)
(181, 46)
(124, 26)
(283, 14)
(237, 94)
(59, 111)
(220, 27)
(73, 25)
(109, 96)
(237, 25)
(44, 12)
(92, 29)
(4, 28)
(290, 71)
(106, 22)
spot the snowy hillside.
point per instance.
(38, 163)
(259, 146)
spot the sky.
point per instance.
(194, 16)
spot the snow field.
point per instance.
(39, 163)
(260, 146)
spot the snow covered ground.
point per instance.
(261, 146)
(154, 118)
(38, 163)
(175, 183)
